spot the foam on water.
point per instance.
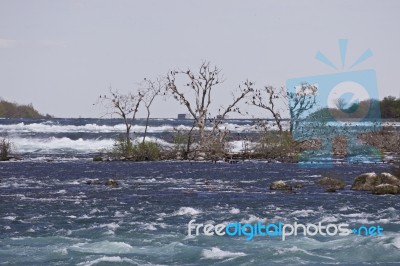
(296, 249)
(189, 211)
(95, 128)
(234, 211)
(302, 213)
(103, 247)
(55, 145)
(113, 259)
(252, 219)
(150, 227)
(396, 242)
(111, 226)
(329, 219)
(217, 253)
(95, 135)
(11, 218)
(88, 128)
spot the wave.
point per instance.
(216, 253)
(87, 128)
(60, 145)
(104, 259)
(103, 247)
(297, 250)
(168, 126)
(187, 211)
(65, 145)
(234, 210)
(54, 145)
(47, 127)
(54, 137)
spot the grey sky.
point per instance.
(60, 55)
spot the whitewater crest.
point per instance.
(89, 136)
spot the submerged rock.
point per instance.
(298, 185)
(366, 181)
(94, 182)
(280, 185)
(330, 189)
(331, 183)
(97, 159)
(111, 182)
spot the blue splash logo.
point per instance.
(343, 104)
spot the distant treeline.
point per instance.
(14, 110)
(388, 108)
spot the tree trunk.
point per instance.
(278, 121)
(189, 142)
(147, 124)
(201, 125)
(128, 133)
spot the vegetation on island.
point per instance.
(6, 148)
(14, 110)
(387, 108)
(390, 107)
(209, 138)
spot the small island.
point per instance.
(14, 110)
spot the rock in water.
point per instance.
(331, 183)
(390, 179)
(366, 182)
(98, 159)
(111, 182)
(330, 189)
(383, 189)
(93, 182)
(384, 183)
(280, 185)
(298, 185)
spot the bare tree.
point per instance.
(125, 106)
(341, 103)
(199, 86)
(297, 103)
(268, 98)
(151, 90)
(300, 101)
(244, 90)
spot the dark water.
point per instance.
(50, 216)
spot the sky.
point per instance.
(61, 55)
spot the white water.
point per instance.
(54, 145)
(47, 127)
(54, 137)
